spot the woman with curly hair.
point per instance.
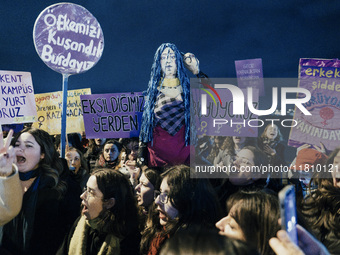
(37, 228)
(108, 224)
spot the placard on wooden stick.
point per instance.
(69, 40)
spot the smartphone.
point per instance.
(288, 211)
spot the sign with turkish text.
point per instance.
(49, 108)
(322, 78)
(212, 110)
(17, 103)
(250, 74)
(68, 38)
(116, 115)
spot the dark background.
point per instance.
(217, 32)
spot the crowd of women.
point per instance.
(99, 200)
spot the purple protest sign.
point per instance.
(68, 38)
(116, 115)
(219, 119)
(249, 74)
(322, 78)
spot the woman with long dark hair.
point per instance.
(253, 218)
(108, 158)
(181, 202)
(108, 224)
(36, 229)
(149, 181)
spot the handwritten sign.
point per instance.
(249, 74)
(322, 78)
(68, 38)
(49, 108)
(116, 115)
(17, 98)
(220, 120)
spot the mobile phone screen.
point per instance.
(288, 212)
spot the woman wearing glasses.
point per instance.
(181, 202)
(108, 224)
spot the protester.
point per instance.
(181, 202)
(37, 229)
(230, 147)
(201, 241)
(108, 224)
(243, 174)
(10, 188)
(108, 158)
(253, 218)
(94, 149)
(216, 149)
(149, 181)
(303, 167)
(269, 142)
(321, 208)
(78, 166)
(282, 245)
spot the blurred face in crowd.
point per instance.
(28, 152)
(336, 170)
(244, 160)
(122, 157)
(73, 160)
(92, 199)
(229, 227)
(218, 142)
(145, 192)
(239, 140)
(167, 212)
(110, 152)
(272, 132)
(305, 177)
(132, 147)
(99, 141)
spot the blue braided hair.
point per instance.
(148, 120)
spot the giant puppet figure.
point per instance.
(165, 128)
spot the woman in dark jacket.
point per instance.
(108, 224)
(37, 229)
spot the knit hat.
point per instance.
(310, 157)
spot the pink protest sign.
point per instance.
(68, 38)
(322, 78)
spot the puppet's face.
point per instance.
(168, 63)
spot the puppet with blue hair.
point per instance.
(165, 128)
